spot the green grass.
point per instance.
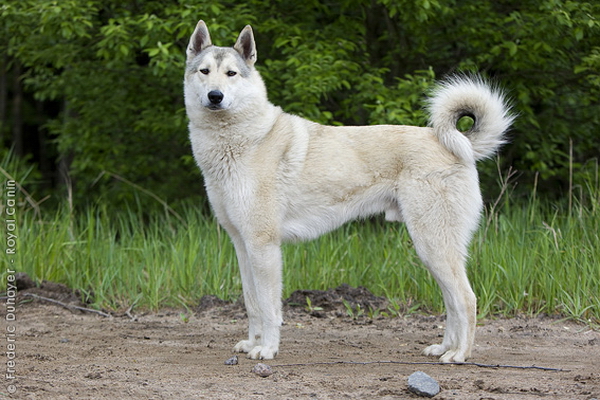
(530, 258)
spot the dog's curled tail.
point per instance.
(461, 96)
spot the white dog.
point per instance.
(273, 177)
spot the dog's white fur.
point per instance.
(272, 177)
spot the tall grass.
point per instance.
(122, 259)
(532, 258)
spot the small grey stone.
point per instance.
(232, 361)
(423, 385)
(262, 370)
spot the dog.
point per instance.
(273, 177)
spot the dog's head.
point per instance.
(221, 78)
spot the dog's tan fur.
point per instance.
(272, 177)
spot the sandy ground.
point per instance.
(64, 354)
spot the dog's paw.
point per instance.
(435, 350)
(446, 355)
(262, 353)
(453, 356)
(245, 346)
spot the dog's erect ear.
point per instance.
(199, 40)
(245, 45)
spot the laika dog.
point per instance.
(273, 177)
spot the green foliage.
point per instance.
(550, 239)
(112, 72)
(115, 69)
(20, 169)
(309, 307)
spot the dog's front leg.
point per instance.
(266, 266)
(250, 299)
(261, 269)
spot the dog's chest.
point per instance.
(223, 166)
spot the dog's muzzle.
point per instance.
(215, 97)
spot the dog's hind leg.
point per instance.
(461, 307)
(441, 224)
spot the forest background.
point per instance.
(91, 91)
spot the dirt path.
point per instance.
(71, 355)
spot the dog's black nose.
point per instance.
(215, 96)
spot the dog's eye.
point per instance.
(204, 71)
(231, 73)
